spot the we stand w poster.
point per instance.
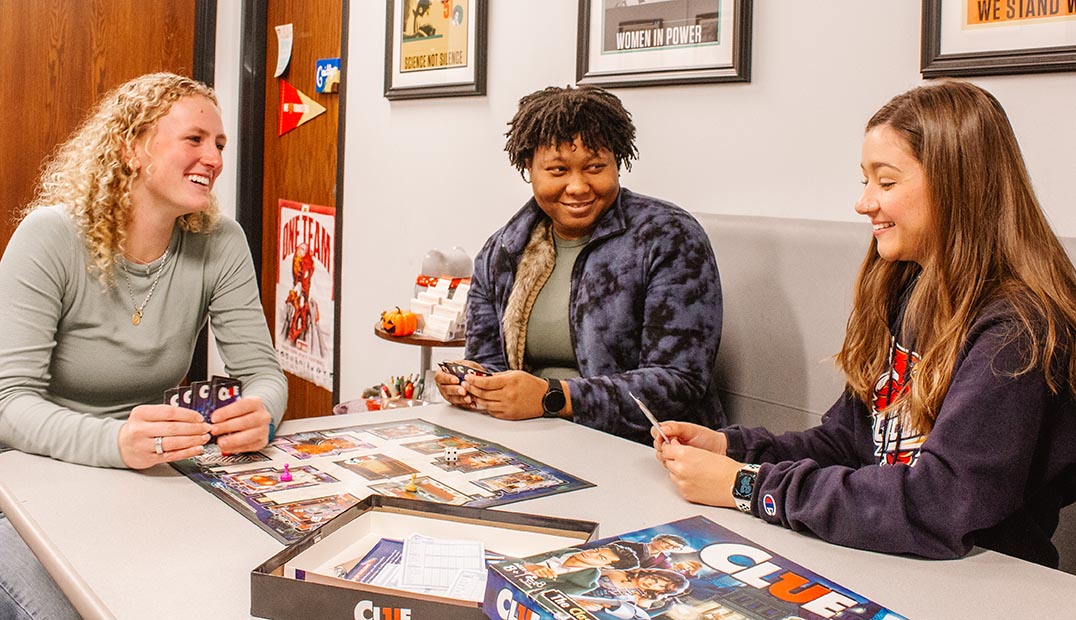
(304, 291)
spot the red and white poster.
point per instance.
(304, 291)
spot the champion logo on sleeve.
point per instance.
(769, 505)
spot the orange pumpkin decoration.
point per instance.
(399, 323)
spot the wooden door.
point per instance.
(302, 165)
(59, 57)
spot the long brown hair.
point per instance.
(990, 241)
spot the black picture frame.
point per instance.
(447, 81)
(738, 69)
(935, 62)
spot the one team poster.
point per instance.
(331, 470)
(692, 569)
(304, 291)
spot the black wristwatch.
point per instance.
(553, 402)
(744, 487)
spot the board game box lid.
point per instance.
(298, 583)
(688, 569)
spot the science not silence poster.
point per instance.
(304, 291)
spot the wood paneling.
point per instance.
(59, 57)
(300, 165)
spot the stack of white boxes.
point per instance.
(441, 310)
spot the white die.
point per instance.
(451, 455)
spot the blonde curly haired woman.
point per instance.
(118, 263)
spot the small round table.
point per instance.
(426, 343)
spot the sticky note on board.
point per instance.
(284, 37)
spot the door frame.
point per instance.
(249, 195)
(203, 70)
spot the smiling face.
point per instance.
(574, 185)
(896, 197)
(179, 159)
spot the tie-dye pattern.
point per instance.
(645, 314)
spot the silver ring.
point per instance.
(158, 445)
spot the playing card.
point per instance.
(171, 396)
(649, 416)
(224, 391)
(461, 371)
(202, 398)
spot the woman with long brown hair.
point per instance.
(958, 425)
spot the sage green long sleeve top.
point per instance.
(73, 364)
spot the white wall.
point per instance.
(432, 173)
(226, 84)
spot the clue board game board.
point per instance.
(300, 481)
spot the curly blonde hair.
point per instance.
(89, 173)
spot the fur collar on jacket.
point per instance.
(535, 266)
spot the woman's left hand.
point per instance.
(242, 426)
(510, 395)
(701, 476)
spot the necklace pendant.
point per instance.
(136, 318)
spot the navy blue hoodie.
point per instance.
(994, 471)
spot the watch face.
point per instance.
(553, 401)
(745, 485)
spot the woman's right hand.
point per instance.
(688, 434)
(450, 388)
(183, 432)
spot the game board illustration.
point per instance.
(692, 569)
(333, 469)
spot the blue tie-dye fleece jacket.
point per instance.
(645, 314)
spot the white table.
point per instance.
(136, 545)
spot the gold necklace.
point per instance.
(136, 318)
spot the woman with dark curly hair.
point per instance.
(590, 293)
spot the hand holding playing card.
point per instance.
(449, 377)
(181, 433)
(688, 434)
(461, 370)
(242, 426)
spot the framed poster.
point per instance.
(997, 37)
(654, 42)
(435, 48)
(305, 328)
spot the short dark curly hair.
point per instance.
(554, 116)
